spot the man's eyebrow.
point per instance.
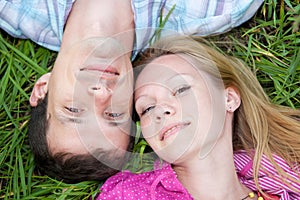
(63, 118)
(115, 123)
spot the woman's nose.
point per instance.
(164, 111)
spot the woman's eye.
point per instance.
(181, 90)
(147, 110)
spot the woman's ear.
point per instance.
(39, 90)
(233, 99)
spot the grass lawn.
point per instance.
(269, 43)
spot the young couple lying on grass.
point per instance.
(87, 118)
(79, 116)
(203, 113)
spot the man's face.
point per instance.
(90, 98)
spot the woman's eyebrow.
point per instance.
(180, 77)
(139, 97)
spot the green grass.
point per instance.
(269, 43)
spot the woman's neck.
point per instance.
(212, 177)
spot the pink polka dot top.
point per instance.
(161, 183)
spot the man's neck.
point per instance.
(100, 18)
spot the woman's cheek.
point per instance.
(147, 127)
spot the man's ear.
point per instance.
(233, 99)
(39, 90)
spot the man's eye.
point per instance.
(73, 110)
(181, 90)
(147, 110)
(113, 115)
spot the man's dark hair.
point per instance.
(65, 166)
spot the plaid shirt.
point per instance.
(190, 17)
(43, 20)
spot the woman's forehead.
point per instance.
(165, 67)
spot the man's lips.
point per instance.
(104, 69)
(172, 129)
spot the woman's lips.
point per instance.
(172, 129)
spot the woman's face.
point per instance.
(176, 106)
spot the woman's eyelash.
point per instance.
(181, 90)
(147, 110)
(177, 92)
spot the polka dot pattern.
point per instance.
(161, 183)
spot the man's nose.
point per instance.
(101, 92)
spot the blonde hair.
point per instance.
(258, 123)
